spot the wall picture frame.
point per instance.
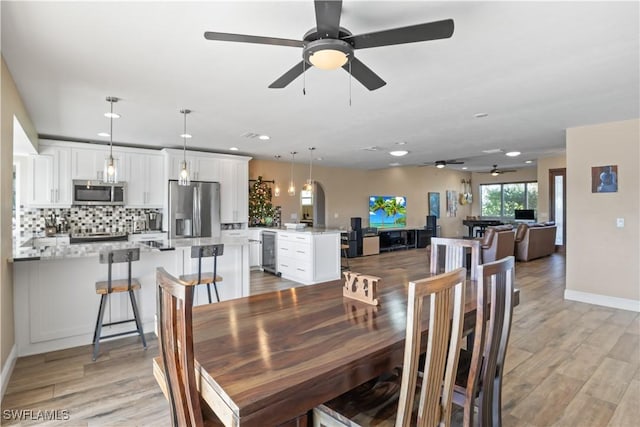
(434, 204)
(604, 179)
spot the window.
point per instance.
(501, 200)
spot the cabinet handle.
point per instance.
(284, 265)
(301, 252)
(51, 195)
(300, 269)
(284, 249)
(300, 238)
(57, 195)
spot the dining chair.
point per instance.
(448, 254)
(446, 296)
(206, 277)
(175, 306)
(479, 378)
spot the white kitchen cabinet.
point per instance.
(309, 258)
(49, 183)
(234, 191)
(200, 167)
(255, 248)
(145, 188)
(87, 162)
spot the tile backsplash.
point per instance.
(82, 219)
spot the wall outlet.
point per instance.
(335, 215)
(620, 222)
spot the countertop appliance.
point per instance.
(269, 252)
(154, 221)
(96, 193)
(98, 237)
(194, 210)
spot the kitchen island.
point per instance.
(54, 295)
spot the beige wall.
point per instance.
(544, 165)
(521, 175)
(347, 191)
(11, 106)
(601, 258)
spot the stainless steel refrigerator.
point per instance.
(194, 210)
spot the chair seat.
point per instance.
(344, 246)
(121, 285)
(192, 279)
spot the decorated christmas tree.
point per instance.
(260, 208)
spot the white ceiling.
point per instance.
(536, 69)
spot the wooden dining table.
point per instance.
(267, 359)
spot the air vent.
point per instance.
(250, 135)
(373, 148)
(493, 151)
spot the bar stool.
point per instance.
(344, 248)
(106, 288)
(206, 278)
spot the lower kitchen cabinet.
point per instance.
(308, 257)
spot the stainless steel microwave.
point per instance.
(86, 192)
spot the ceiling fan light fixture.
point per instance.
(495, 173)
(440, 164)
(399, 153)
(327, 54)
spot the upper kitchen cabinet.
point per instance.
(87, 162)
(49, 183)
(145, 187)
(234, 191)
(201, 166)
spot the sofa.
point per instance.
(497, 243)
(535, 241)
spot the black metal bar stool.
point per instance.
(206, 278)
(106, 288)
(344, 248)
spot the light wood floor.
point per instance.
(568, 363)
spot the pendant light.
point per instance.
(110, 173)
(184, 178)
(292, 187)
(309, 185)
(276, 190)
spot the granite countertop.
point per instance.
(311, 230)
(27, 252)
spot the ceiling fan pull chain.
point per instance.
(350, 76)
(304, 79)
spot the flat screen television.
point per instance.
(387, 211)
(525, 214)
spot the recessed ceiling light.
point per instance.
(104, 134)
(399, 153)
(186, 135)
(492, 151)
(264, 137)
(480, 115)
(112, 115)
(401, 143)
(464, 168)
(372, 148)
(528, 161)
(513, 153)
(233, 148)
(319, 158)
(394, 164)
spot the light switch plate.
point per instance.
(620, 222)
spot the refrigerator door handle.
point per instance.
(197, 203)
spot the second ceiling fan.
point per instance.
(330, 46)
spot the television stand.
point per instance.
(406, 238)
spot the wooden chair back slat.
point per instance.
(175, 302)
(454, 252)
(493, 327)
(446, 292)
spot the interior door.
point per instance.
(557, 205)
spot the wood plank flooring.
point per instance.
(568, 363)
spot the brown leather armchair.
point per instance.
(535, 241)
(498, 242)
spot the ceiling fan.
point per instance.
(495, 171)
(330, 46)
(443, 163)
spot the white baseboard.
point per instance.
(7, 370)
(606, 301)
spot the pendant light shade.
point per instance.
(110, 173)
(308, 186)
(292, 187)
(276, 189)
(184, 178)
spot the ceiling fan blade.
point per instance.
(414, 33)
(328, 18)
(364, 75)
(289, 76)
(243, 38)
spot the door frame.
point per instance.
(552, 203)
